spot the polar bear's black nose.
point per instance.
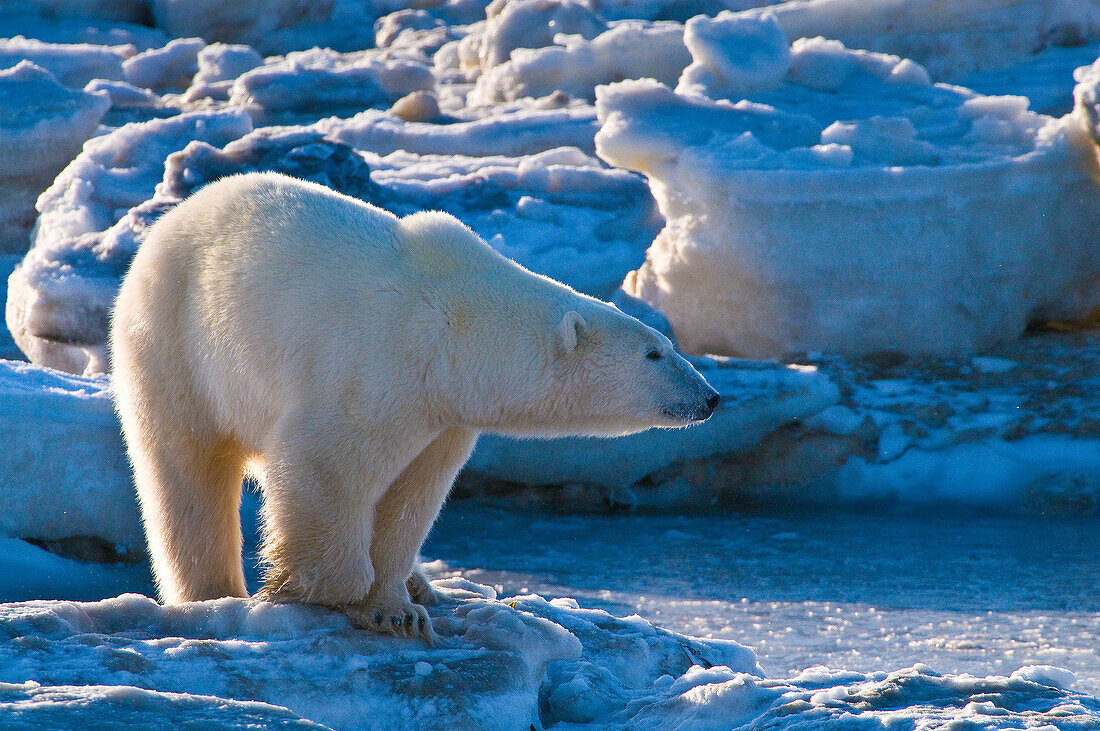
(713, 401)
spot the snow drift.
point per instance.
(852, 194)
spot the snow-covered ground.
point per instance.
(898, 514)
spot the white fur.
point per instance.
(350, 358)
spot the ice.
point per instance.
(64, 467)
(949, 39)
(219, 65)
(631, 49)
(803, 217)
(170, 67)
(318, 82)
(42, 126)
(513, 133)
(733, 57)
(506, 664)
(492, 662)
(73, 64)
(32, 705)
(59, 296)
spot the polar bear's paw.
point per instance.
(421, 591)
(391, 616)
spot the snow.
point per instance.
(63, 468)
(319, 81)
(770, 204)
(507, 663)
(487, 669)
(73, 64)
(60, 294)
(42, 126)
(949, 39)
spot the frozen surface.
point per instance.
(42, 127)
(869, 590)
(804, 217)
(1000, 650)
(492, 661)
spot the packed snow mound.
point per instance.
(533, 24)
(757, 399)
(64, 466)
(508, 664)
(42, 127)
(511, 134)
(31, 705)
(949, 39)
(575, 66)
(59, 297)
(559, 212)
(805, 216)
(916, 697)
(73, 64)
(307, 85)
(492, 663)
(170, 67)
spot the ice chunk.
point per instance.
(73, 64)
(494, 667)
(59, 296)
(170, 67)
(511, 133)
(42, 126)
(533, 24)
(949, 39)
(64, 464)
(803, 217)
(629, 50)
(319, 82)
(733, 56)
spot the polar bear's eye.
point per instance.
(653, 354)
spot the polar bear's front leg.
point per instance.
(320, 497)
(403, 518)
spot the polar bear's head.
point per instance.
(615, 375)
(589, 369)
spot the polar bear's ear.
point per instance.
(570, 329)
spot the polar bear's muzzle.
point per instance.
(698, 411)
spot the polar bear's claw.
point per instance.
(392, 617)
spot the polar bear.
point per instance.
(349, 359)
